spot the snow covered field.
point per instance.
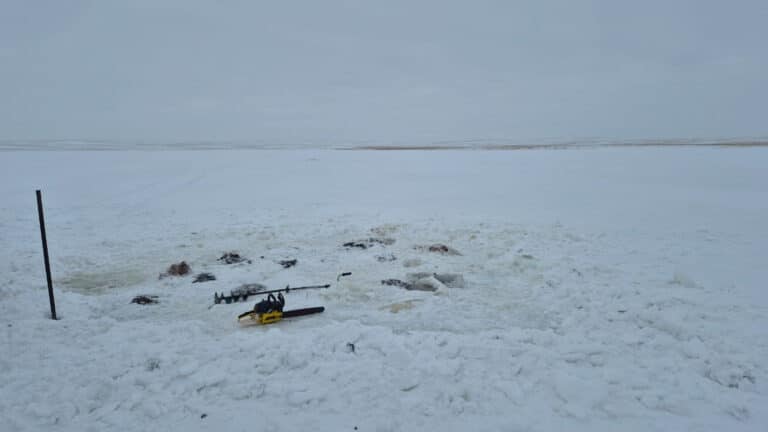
(606, 289)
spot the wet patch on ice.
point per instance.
(99, 282)
(401, 306)
(682, 279)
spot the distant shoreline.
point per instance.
(10, 145)
(512, 147)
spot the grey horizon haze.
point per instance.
(388, 71)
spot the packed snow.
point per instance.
(604, 289)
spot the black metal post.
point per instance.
(45, 253)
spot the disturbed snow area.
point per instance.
(604, 290)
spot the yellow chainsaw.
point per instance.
(270, 311)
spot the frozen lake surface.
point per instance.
(605, 288)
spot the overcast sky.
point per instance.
(382, 71)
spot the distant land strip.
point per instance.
(562, 146)
(468, 145)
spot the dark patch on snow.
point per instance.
(425, 284)
(153, 364)
(439, 248)
(386, 258)
(288, 263)
(179, 269)
(350, 245)
(145, 300)
(396, 282)
(233, 258)
(369, 242)
(204, 277)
